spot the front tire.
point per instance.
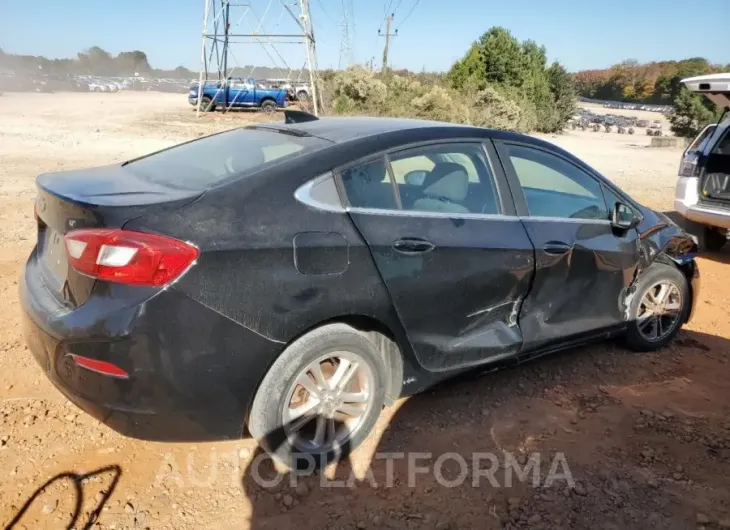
(206, 104)
(321, 397)
(658, 308)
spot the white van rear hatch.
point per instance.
(715, 86)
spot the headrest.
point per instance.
(447, 180)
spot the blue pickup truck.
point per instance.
(238, 92)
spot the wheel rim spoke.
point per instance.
(319, 377)
(305, 418)
(659, 311)
(305, 381)
(346, 376)
(301, 410)
(320, 431)
(350, 410)
(354, 397)
(328, 402)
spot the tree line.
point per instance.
(94, 61)
(655, 83)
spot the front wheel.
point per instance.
(658, 308)
(321, 397)
(206, 104)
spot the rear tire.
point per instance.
(268, 106)
(273, 401)
(640, 328)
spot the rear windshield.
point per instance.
(203, 163)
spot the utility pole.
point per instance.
(387, 36)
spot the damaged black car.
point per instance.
(289, 280)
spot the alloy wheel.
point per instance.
(659, 311)
(327, 402)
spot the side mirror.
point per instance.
(623, 217)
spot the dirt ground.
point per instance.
(646, 438)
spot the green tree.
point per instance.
(692, 113)
(128, 63)
(563, 92)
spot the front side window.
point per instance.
(554, 187)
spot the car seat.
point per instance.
(444, 188)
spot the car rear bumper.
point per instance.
(193, 100)
(687, 204)
(192, 372)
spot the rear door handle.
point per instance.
(556, 247)
(412, 245)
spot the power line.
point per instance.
(409, 13)
(321, 5)
(385, 13)
(397, 6)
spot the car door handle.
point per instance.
(412, 245)
(556, 247)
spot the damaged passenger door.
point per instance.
(584, 265)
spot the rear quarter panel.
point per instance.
(246, 232)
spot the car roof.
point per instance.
(342, 129)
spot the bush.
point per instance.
(358, 91)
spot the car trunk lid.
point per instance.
(105, 197)
(715, 86)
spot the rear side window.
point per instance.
(203, 163)
(699, 141)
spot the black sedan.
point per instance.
(292, 279)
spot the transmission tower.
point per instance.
(229, 24)
(347, 27)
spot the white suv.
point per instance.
(702, 195)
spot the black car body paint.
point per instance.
(493, 290)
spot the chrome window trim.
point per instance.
(303, 194)
(478, 216)
(548, 219)
(436, 215)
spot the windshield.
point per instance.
(202, 163)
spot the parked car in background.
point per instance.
(298, 90)
(238, 93)
(702, 195)
(293, 278)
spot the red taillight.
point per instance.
(129, 257)
(688, 166)
(100, 367)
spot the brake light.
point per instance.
(124, 256)
(688, 166)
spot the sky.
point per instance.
(432, 34)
